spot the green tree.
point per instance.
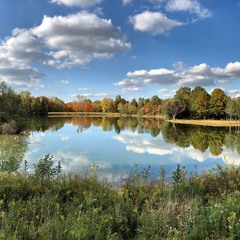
(12, 150)
(238, 107)
(56, 105)
(218, 103)
(117, 101)
(155, 104)
(108, 105)
(199, 103)
(231, 108)
(184, 95)
(39, 106)
(11, 107)
(175, 107)
(26, 99)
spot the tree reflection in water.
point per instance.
(12, 151)
(14, 147)
(199, 137)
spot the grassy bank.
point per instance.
(50, 206)
(213, 123)
(89, 114)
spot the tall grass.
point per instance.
(51, 205)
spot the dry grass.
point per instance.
(213, 123)
(89, 114)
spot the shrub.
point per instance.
(9, 128)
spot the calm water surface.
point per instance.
(115, 145)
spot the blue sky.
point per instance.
(135, 48)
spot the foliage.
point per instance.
(11, 109)
(12, 150)
(202, 206)
(45, 169)
(8, 127)
(175, 107)
(199, 103)
(218, 102)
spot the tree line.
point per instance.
(187, 103)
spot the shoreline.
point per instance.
(209, 122)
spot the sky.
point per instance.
(132, 48)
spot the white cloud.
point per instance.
(201, 74)
(131, 89)
(84, 89)
(140, 144)
(64, 82)
(64, 138)
(19, 75)
(232, 93)
(192, 6)
(77, 39)
(125, 2)
(154, 22)
(61, 42)
(167, 93)
(97, 95)
(78, 3)
(71, 162)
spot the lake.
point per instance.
(116, 145)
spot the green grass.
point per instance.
(49, 205)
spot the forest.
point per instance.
(187, 103)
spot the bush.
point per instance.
(46, 205)
(9, 128)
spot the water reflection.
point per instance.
(203, 138)
(116, 144)
(12, 151)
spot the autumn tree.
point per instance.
(155, 104)
(81, 100)
(26, 99)
(39, 106)
(87, 105)
(11, 106)
(97, 106)
(184, 95)
(218, 102)
(175, 107)
(231, 108)
(238, 107)
(55, 105)
(108, 105)
(199, 103)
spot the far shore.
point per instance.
(209, 122)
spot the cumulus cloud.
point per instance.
(64, 82)
(125, 2)
(19, 75)
(154, 22)
(131, 89)
(78, 3)
(192, 6)
(60, 42)
(232, 93)
(72, 162)
(201, 74)
(77, 39)
(167, 92)
(97, 95)
(140, 144)
(84, 89)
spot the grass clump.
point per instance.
(51, 205)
